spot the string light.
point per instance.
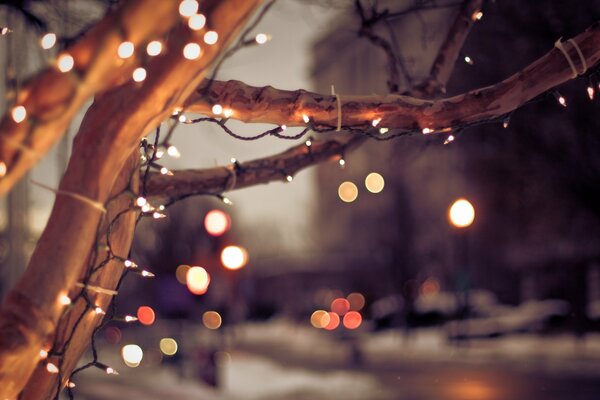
(308, 143)
(159, 153)
(43, 354)
(211, 37)
(4, 31)
(71, 384)
(262, 38)
(192, 51)
(65, 62)
(383, 131)
(227, 201)
(3, 168)
(197, 22)
(139, 74)
(426, 131)
(217, 109)
(157, 215)
(289, 178)
(449, 139)
(146, 208)
(187, 8)
(64, 299)
(227, 112)
(48, 41)
(305, 118)
(125, 49)
(18, 114)
(590, 91)
(469, 60)
(130, 318)
(154, 48)
(283, 127)
(106, 368)
(173, 152)
(99, 310)
(342, 162)
(477, 15)
(182, 118)
(561, 100)
(505, 122)
(50, 367)
(376, 122)
(165, 171)
(140, 202)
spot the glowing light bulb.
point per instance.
(146, 207)
(139, 74)
(426, 131)
(308, 143)
(217, 109)
(289, 178)
(140, 202)
(187, 8)
(227, 112)
(125, 49)
(217, 222)
(197, 22)
(173, 152)
(99, 311)
(305, 118)
(65, 62)
(505, 122)
(342, 162)
(192, 51)
(561, 100)
(64, 299)
(212, 320)
(43, 354)
(182, 118)
(211, 37)
(129, 263)
(376, 122)
(227, 201)
(449, 139)
(477, 15)
(48, 41)
(129, 318)
(3, 169)
(53, 369)
(197, 280)
(168, 346)
(147, 274)
(132, 355)
(469, 60)
(590, 92)
(283, 127)
(165, 171)
(154, 48)
(261, 38)
(18, 114)
(4, 31)
(111, 371)
(383, 131)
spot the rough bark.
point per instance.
(53, 98)
(270, 105)
(110, 132)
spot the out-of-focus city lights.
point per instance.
(352, 320)
(197, 280)
(217, 222)
(461, 213)
(132, 355)
(212, 320)
(374, 182)
(348, 192)
(146, 315)
(168, 346)
(356, 300)
(234, 257)
(340, 306)
(334, 321)
(181, 273)
(320, 319)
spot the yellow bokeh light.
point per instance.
(320, 319)
(132, 355)
(168, 346)
(216, 222)
(197, 280)
(181, 273)
(461, 214)
(234, 257)
(348, 192)
(212, 320)
(374, 182)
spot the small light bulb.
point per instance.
(125, 49)
(147, 274)
(192, 51)
(426, 131)
(211, 37)
(217, 109)
(308, 143)
(48, 41)
(4, 31)
(227, 112)
(449, 139)
(376, 122)
(139, 74)
(233, 160)
(469, 60)
(129, 318)
(111, 371)
(197, 22)
(289, 178)
(154, 48)
(140, 201)
(383, 131)
(53, 369)
(173, 152)
(305, 118)
(283, 127)
(157, 215)
(590, 92)
(99, 311)
(18, 114)
(129, 263)
(161, 207)
(146, 207)
(64, 299)
(165, 171)
(505, 122)
(71, 384)
(65, 62)
(227, 201)
(159, 154)
(182, 118)
(342, 162)
(187, 8)
(477, 15)
(261, 38)
(43, 354)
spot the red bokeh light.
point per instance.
(352, 320)
(146, 315)
(112, 334)
(216, 222)
(334, 321)
(340, 306)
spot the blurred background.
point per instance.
(418, 270)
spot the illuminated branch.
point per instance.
(52, 98)
(185, 183)
(284, 107)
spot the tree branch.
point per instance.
(408, 114)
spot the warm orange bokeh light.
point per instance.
(181, 273)
(334, 321)
(234, 257)
(340, 306)
(461, 213)
(320, 319)
(146, 315)
(352, 320)
(212, 320)
(348, 192)
(217, 222)
(356, 300)
(430, 286)
(197, 280)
